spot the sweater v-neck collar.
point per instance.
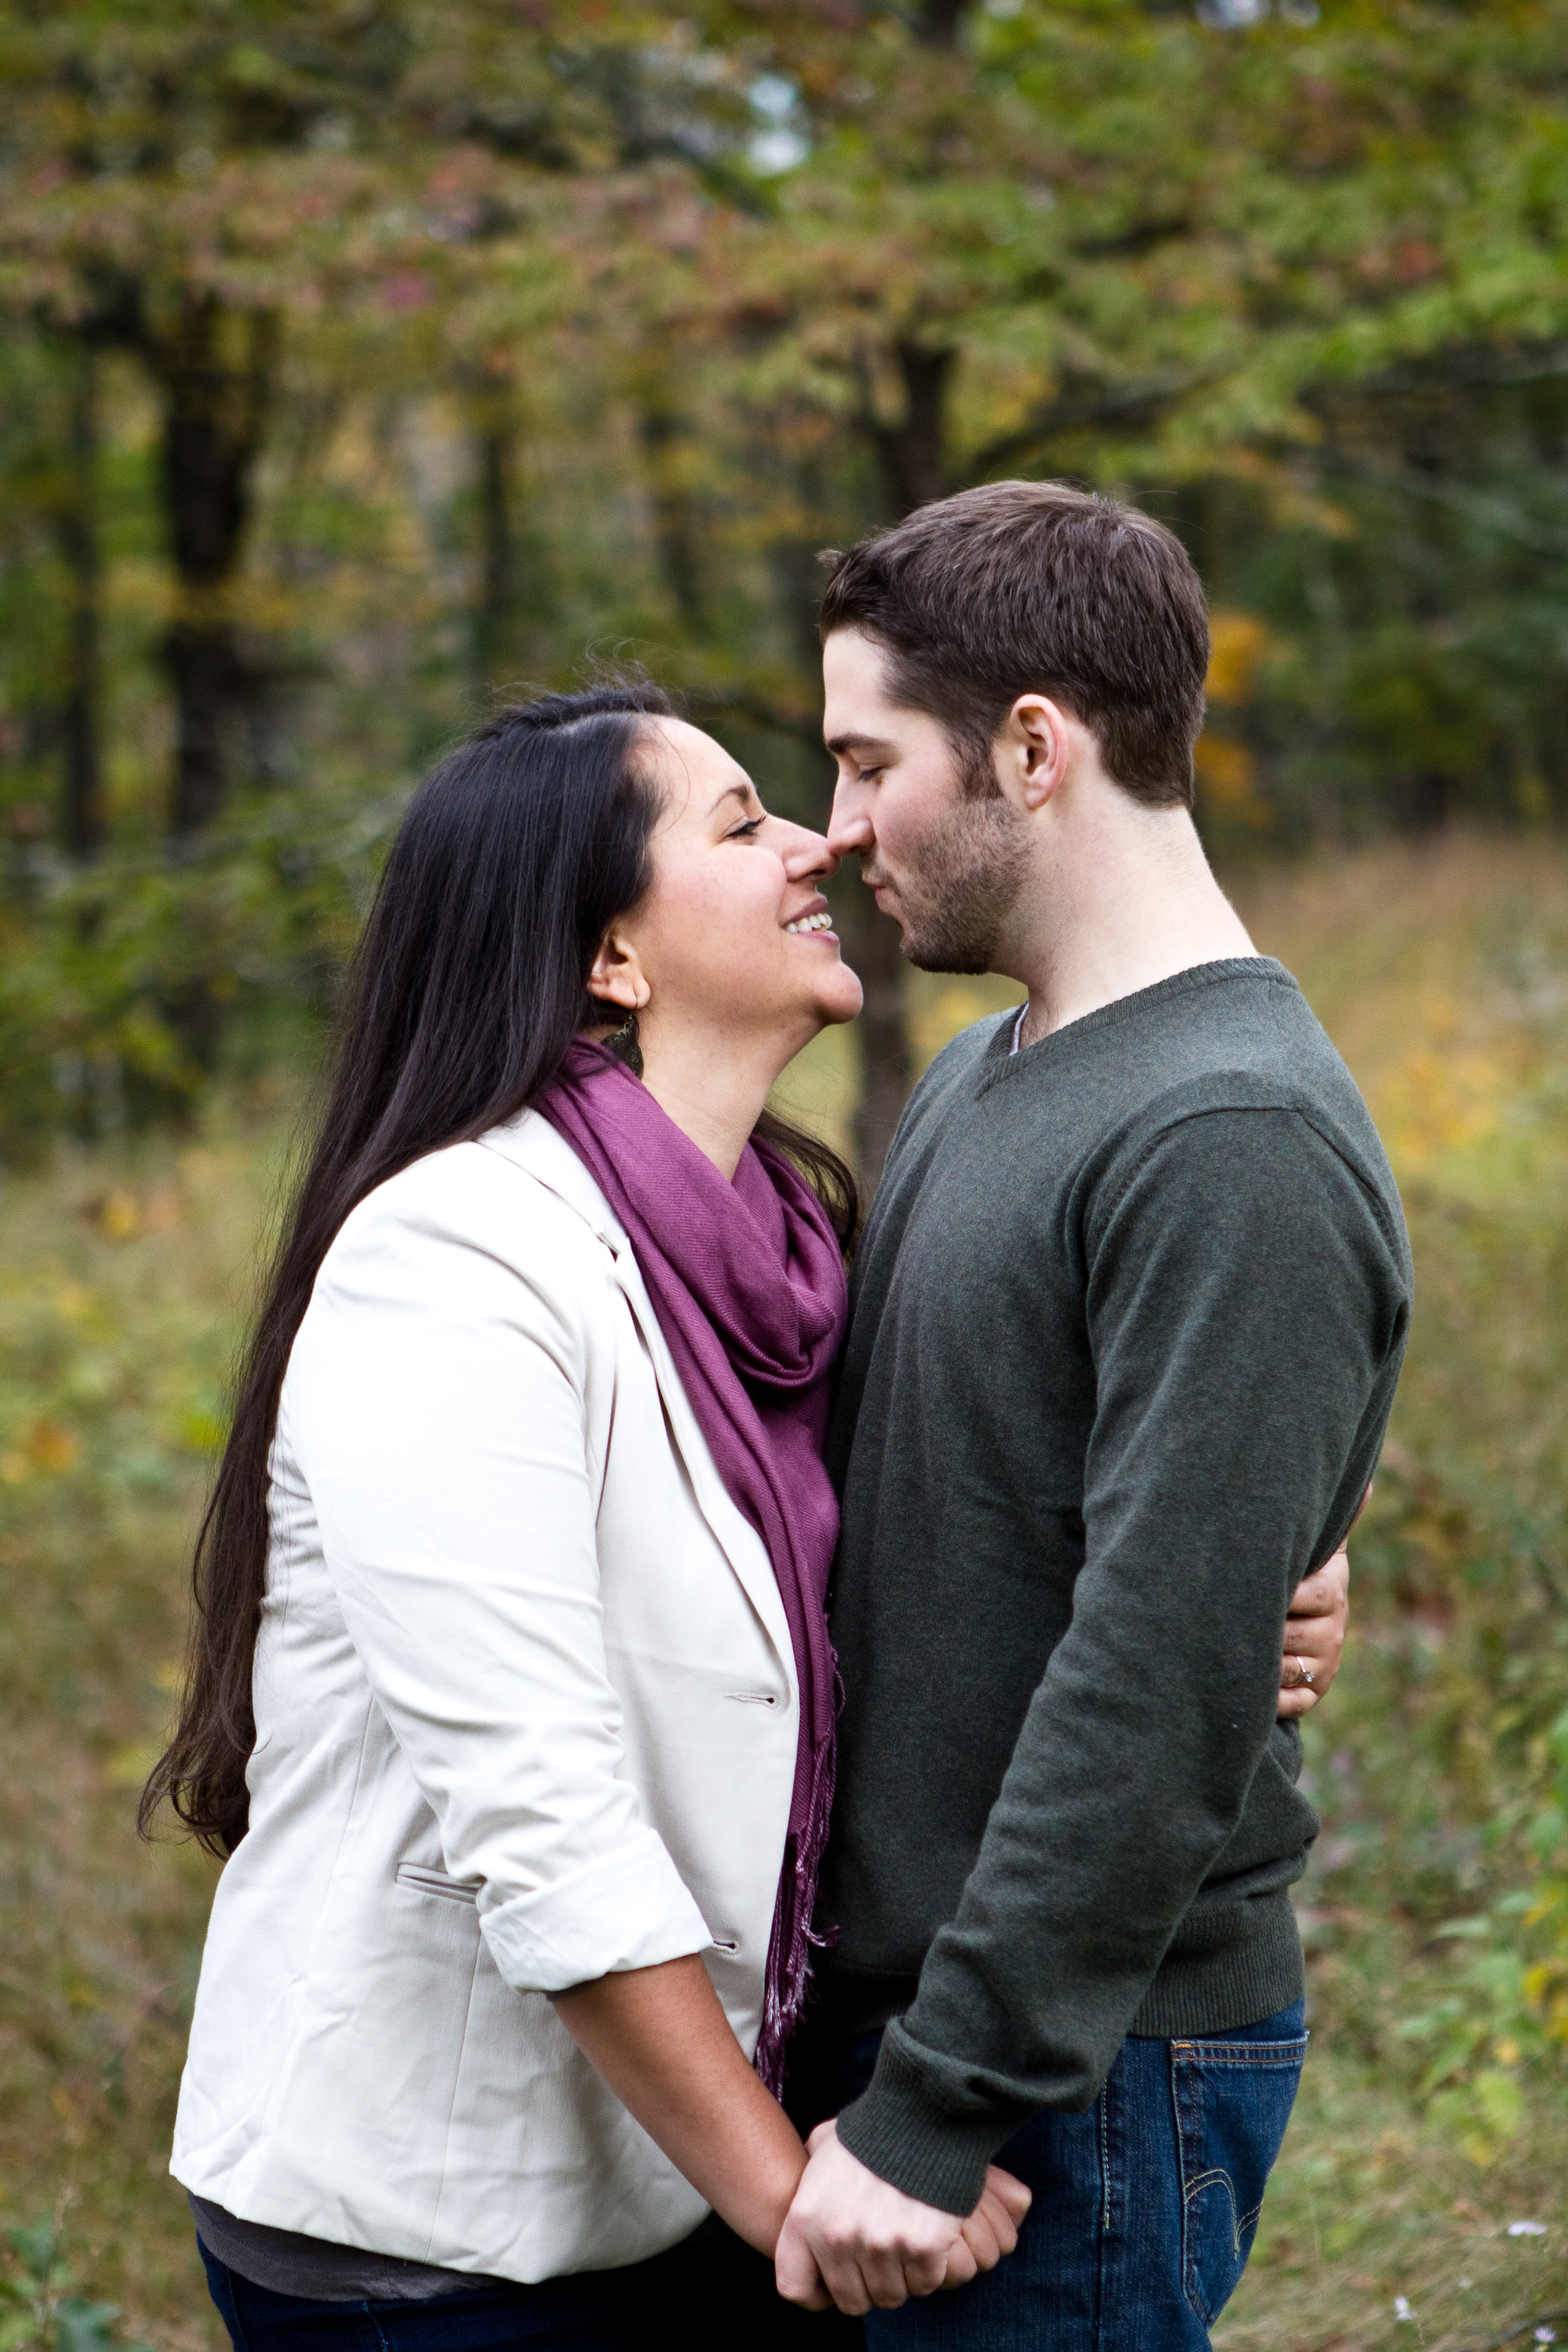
(999, 1061)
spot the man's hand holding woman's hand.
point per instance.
(853, 2240)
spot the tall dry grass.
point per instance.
(1443, 974)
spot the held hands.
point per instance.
(854, 2239)
(851, 2238)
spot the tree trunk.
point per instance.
(887, 1065)
(496, 596)
(215, 367)
(1429, 799)
(871, 940)
(82, 811)
(911, 458)
(676, 526)
(912, 453)
(938, 22)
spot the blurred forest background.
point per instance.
(363, 359)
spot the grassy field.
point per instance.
(1444, 976)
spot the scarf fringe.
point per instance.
(792, 1937)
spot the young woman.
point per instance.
(512, 1703)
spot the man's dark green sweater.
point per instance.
(1128, 1318)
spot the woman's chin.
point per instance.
(840, 999)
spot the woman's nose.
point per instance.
(808, 853)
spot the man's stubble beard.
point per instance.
(953, 904)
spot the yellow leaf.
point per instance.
(1237, 643)
(203, 1432)
(127, 1767)
(52, 1447)
(1228, 780)
(119, 1216)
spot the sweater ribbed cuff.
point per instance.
(902, 2132)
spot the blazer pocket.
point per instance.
(421, 1880)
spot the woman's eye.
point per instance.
(754, 824)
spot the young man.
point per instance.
(1129, 1315)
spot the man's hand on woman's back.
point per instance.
(1315, 1631)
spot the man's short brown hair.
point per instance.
(1038, 588)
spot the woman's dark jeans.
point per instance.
(691, 2290)
(1145, 2207)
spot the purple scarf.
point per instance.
(747, 1281)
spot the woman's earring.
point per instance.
(622, 1043)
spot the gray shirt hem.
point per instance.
(285, 2261)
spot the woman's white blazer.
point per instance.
(526, 1714)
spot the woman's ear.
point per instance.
(617, 977)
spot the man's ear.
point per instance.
(1034, 745)
(617, 977)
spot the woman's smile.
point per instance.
(814, 921)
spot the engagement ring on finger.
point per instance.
(1306, 1672)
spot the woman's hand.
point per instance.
(1315, 1631)
(662, 2042)
(991, 2231)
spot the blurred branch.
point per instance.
(1467, 368)
(1075, 411)
(1481, 507)
(702, 704)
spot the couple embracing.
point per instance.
(759, 1803)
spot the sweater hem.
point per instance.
(1246, 1981)
(901, 2129)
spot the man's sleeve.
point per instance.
(1246, 1308)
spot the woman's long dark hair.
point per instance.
(515, 858)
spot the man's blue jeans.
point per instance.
(1145, 2205)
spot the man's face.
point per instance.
(939, 843)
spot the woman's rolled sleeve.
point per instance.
(436, 1404)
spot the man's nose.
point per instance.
(849, 828)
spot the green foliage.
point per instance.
(1507, 2009)
(124, 1273)
(39, 2312)
(106, 962)
(125, 1268)
(1433, 1910)
(513, 331)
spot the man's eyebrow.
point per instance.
(733, 792)
(859, 743)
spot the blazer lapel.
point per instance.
(533, 1145)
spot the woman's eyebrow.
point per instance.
(731, 793)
